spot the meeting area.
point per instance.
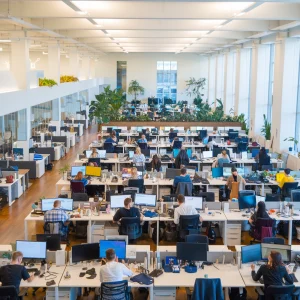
(149, 150)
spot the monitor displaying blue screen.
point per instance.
(227, 171)
(251, 253)
(18, 151)
(247, 201)
(76, 169)
(256, 151)
(118, 246)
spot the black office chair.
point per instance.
(276, 292)
(9, 292)
(177, 145)
(246, 193)
(188, 224)
(143, 145)
(295, 195)
(267, 167)
(202, 134)
(115, 290)
(272, 197)
(287, 188)
(273, 240)
(242, 147)
(109, 147)
(207, 196)
(131, 227)
(264, 162)
(57, 228)
(77, 186)
(138, 183)
(184, 188)
(172, 135)
(197, 238)
(80, 197)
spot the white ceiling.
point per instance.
(99, 27)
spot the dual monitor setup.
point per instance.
(66, 204)
(258, 252)
(86, 171)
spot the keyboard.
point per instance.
(32, 270)
(103, 158)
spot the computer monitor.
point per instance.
(88, 153)
(130, 153)
(295, 195)
(118, 246)
(227, 171)
(117, 201)
(145, 200)
(66, 204)
(256, 151)
(102, 153)
(32, 250)
(109, 129)
(93, 171)
(191, 251)
(117, 238)
(251, 253)
(172, 173)
(94, 160)
(284, 250)
(248, 201)
(76, 169)
(18, 151)
(52, 241)
(196, 202)
(146, 152)
(190, 171)
(85, 252)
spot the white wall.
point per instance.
(142, 67)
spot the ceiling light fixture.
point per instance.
(45, 53)
(1, 49)
(5, 41)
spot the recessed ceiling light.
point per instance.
(45, 53)
(67, 56)
(81, 12)
(1, 49)
(5, 41)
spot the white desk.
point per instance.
(212, 248)
(15, 189)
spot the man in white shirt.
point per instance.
(113, 270)
(184, 210)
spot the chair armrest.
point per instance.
(259, 291)
(296, 292)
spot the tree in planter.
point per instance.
(291, 139)
(266, 129)
(194, 86)
(135, 89)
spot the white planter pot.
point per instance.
(65, 175)
(267, 144)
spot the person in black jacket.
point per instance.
(262, 158)
(127, 211)
(261, 212)
(273, 271)
(181, 159)
(156, 163)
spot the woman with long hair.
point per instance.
(138, 158)
(181, 159)
(79, 177)
(273, 271)
(156, 163)
(261, 213)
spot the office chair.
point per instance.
(202, 134)
(80, 197)
(109, 147)
(242, 147)
(172, 135)
(95, 160)
(197, 238)
(237, 140)
(295, 195)
(276, 292)
(222, 161)
(143, 145)
(177, 145)
(115, 290)
(232, 135)
(264, 161)
(273, 240)
(188, 224)
(267, 167)
(263, 228)
(138, 183)
(287, 189)
(57, 228)
(184, 188)
(272, 197)
(207, 196)
(246, 193)
(9, 292)
(206, 288)
(131, 227)
(77, 186)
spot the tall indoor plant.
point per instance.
(135, 89)
(292, 139)
(266, 131)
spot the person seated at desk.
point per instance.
(147, 131)
(183, 177)
(127, 211)
(156, 163)
(262, 158)
(222, 158)
(112, 139)
(94, 154)
(142, 139)
(138, 158)
(261, 212)
(273, 271)
(235, 177)
(184, 210)
(13, 273)
(134, 175)
(286, 178)
(79, 177)
(181, 159)
(175, 139)
(113, 271)
(56, 214)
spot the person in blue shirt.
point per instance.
(182, 178)
(112, 139)
(142, 139)
(80, 177)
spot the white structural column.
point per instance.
(20, 62)
(211, 79)
(54, 62)
(86, 68)
(259, 87)
(225, 80)
(237, 81)
(74, 63)
(286, 70)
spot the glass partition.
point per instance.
(41, 115)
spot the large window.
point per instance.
(271, 82)
(167, 80)
(230, 83)
(212, 79)
(297, 129)
(122, 75)
(220, 77)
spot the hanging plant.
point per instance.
(47, 82)
(67, 78)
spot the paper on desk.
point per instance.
(130, 252)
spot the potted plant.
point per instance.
(291, 139)
(64, 171)
(266, 131)
(135, 89)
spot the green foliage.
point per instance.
(135, 89)
(194, 86)
(266, 129)
(47, 82)
(291, 139)
(107, 105)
